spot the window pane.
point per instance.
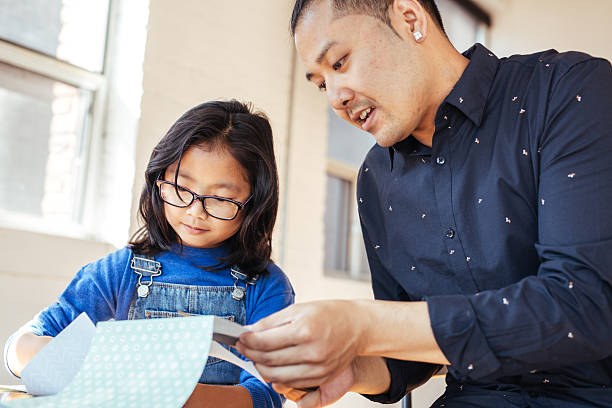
(337, 221)
(42, 144)
(347, 143)
(359, 268)
(71, 30)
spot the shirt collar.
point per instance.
(471, 92)
(200, 255)
(469, 95)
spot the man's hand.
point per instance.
(306, 344)
(311, 344)
(324, 395)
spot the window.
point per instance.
(337, 222)
(344, 254)
(465, 23)
(44, 139)
(47, 104)
(69, 30)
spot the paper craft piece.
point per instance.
(137, 363)
(216, 350)
(13, 388)
(226, 331)
(63, 357)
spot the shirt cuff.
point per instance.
(460, 338)
(263, 395)
(405, 376)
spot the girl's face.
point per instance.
(206, 171)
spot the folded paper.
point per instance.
(63, 357)
(134, 363)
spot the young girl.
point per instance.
(209, 206)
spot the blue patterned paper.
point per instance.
(137, 363)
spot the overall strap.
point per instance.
(240, 277)
(147, 266)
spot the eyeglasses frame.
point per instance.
(195, 196)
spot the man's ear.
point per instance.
(409, 19)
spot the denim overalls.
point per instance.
(174, 300)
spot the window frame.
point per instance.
(348, 173)
(28, 60)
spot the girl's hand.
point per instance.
(23, 348)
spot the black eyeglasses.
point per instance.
(217, 207)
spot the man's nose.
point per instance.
(339, 97)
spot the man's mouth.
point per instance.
(362, 119)
(365, 113)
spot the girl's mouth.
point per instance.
(194, 230)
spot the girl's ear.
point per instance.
(409, 19)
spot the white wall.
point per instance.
(524, 26)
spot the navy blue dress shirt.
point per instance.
(504, 227)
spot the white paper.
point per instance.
(216, 350)
(13, 388)
(54, 367)
(226, 331)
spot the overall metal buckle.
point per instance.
(148, 268)
(239, 291)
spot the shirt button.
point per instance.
(450, 233)
(440, 160)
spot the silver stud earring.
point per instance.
(417, 35)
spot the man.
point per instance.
(485, 209)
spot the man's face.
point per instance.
(373, 79)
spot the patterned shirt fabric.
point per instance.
(504, 227)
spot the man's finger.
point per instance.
(284, 356)
(282, 388)
(310, 400)
(265, 341)
(295, 376)
(279, 318)
(289, 392)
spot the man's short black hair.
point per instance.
(376, 8)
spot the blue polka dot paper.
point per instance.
(137, 363)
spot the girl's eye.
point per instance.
(322, 86)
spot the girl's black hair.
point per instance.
(247, 136)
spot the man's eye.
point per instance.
(322, 86)
(338, 64)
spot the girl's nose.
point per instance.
(196, 209)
